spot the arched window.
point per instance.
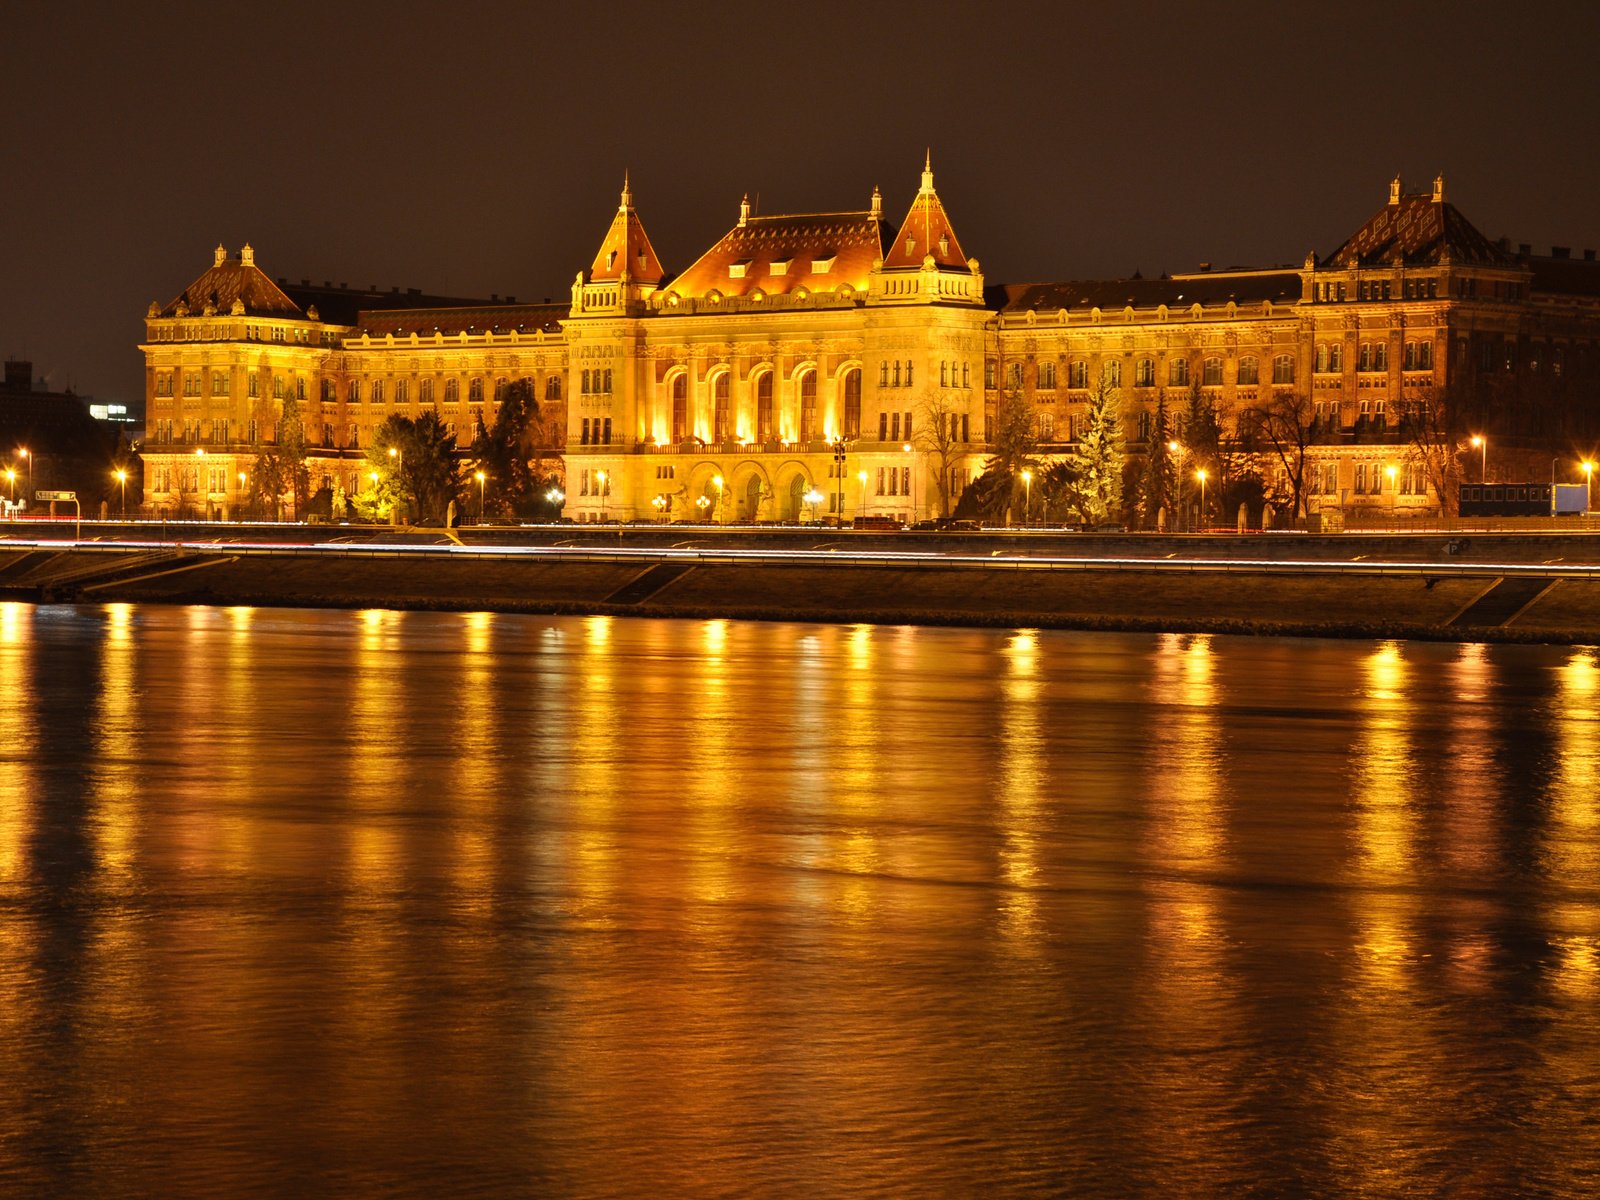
(852, 404)
(452, 390)
(552, 388)
(1283, 369)
(1249, 371)
(1211, 372)
(1144, 373)
(680, 409)
(808, 406)
(764, 424)
(1078, 374)
(1111, 372)
(1047, 376)
(475, 391)
(722, 409)
(1178, 372)
(1322, 358)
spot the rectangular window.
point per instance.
(377, 391)
(988, 374)
(402, 391)
(425, 391)
(880, 481)
(895, 427)
(965, 381)
(608, 431)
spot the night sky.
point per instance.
(473, 148)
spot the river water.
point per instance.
(378, 903)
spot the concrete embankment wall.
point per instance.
(1156, 596)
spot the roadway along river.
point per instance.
(301, 903)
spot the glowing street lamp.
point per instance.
(862, 476)
(1178, 450)
(23, 452)
(660, 505)
(702, 504)
(1481, 445)
(718, 514)
(11, 478)
(911, 488)
(1027, 504)
(605, 492)
(1588, 483)
(813, 498)
(481, 477)
(1201, 476)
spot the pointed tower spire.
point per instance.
(626, 250)
(744, 211)
(926, 231)
(877, 203)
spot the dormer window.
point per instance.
(944, 243)
(911, 245)
(780, 266)
(611, 260)
(823, 264)
(739, 269)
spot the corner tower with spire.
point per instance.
(925, 263)
(625, 270)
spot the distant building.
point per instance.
(733, 387)
(49, 438)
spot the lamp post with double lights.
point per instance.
(813, 498)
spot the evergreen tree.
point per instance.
(1100, 454)
(292, 455)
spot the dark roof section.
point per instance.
(1113, 295)
(343, 305)
(1565, 276)
(452, 319)
(230, 279)
(1420, 229)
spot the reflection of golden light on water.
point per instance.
(373, 842)
(477, 757)
(1383, 782)
(1573, 840)
(1023, 786)
(117, 787)
(18, 786)
(1472, 823)
(593, 757)
(1184, 779)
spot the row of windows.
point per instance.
(1373, 356)
(894, 481)
(766, 428)
(1378, 289)
(594, 483)
(892, 428)
(597, 381)
(596, 431)
(895, 374)
(1144, 372)
(951, 372)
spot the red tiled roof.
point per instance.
(820, 251)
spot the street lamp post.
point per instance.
(910, 487)
(718, 515)
(1027, 501)
(11, 478)
(1176, 448)
(23, 451)
(1394, 496)
(1201, 476)
(1481, 445)
(605, 492)
(703, 503)
(813, 498)
(838, 473)
(1588, 486)
(862, 476)
(481, 477)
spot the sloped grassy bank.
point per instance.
(1313, 603)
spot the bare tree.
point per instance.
(937, 439)
(1433, 435)
(1284, 425)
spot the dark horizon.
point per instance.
(485, 154)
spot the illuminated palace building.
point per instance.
(728, 390)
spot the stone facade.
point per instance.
(816, 364)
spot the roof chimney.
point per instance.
(220, 255)
(247, 255)
(1560, 251)
(877, 203)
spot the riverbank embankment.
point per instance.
(1519, 590)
